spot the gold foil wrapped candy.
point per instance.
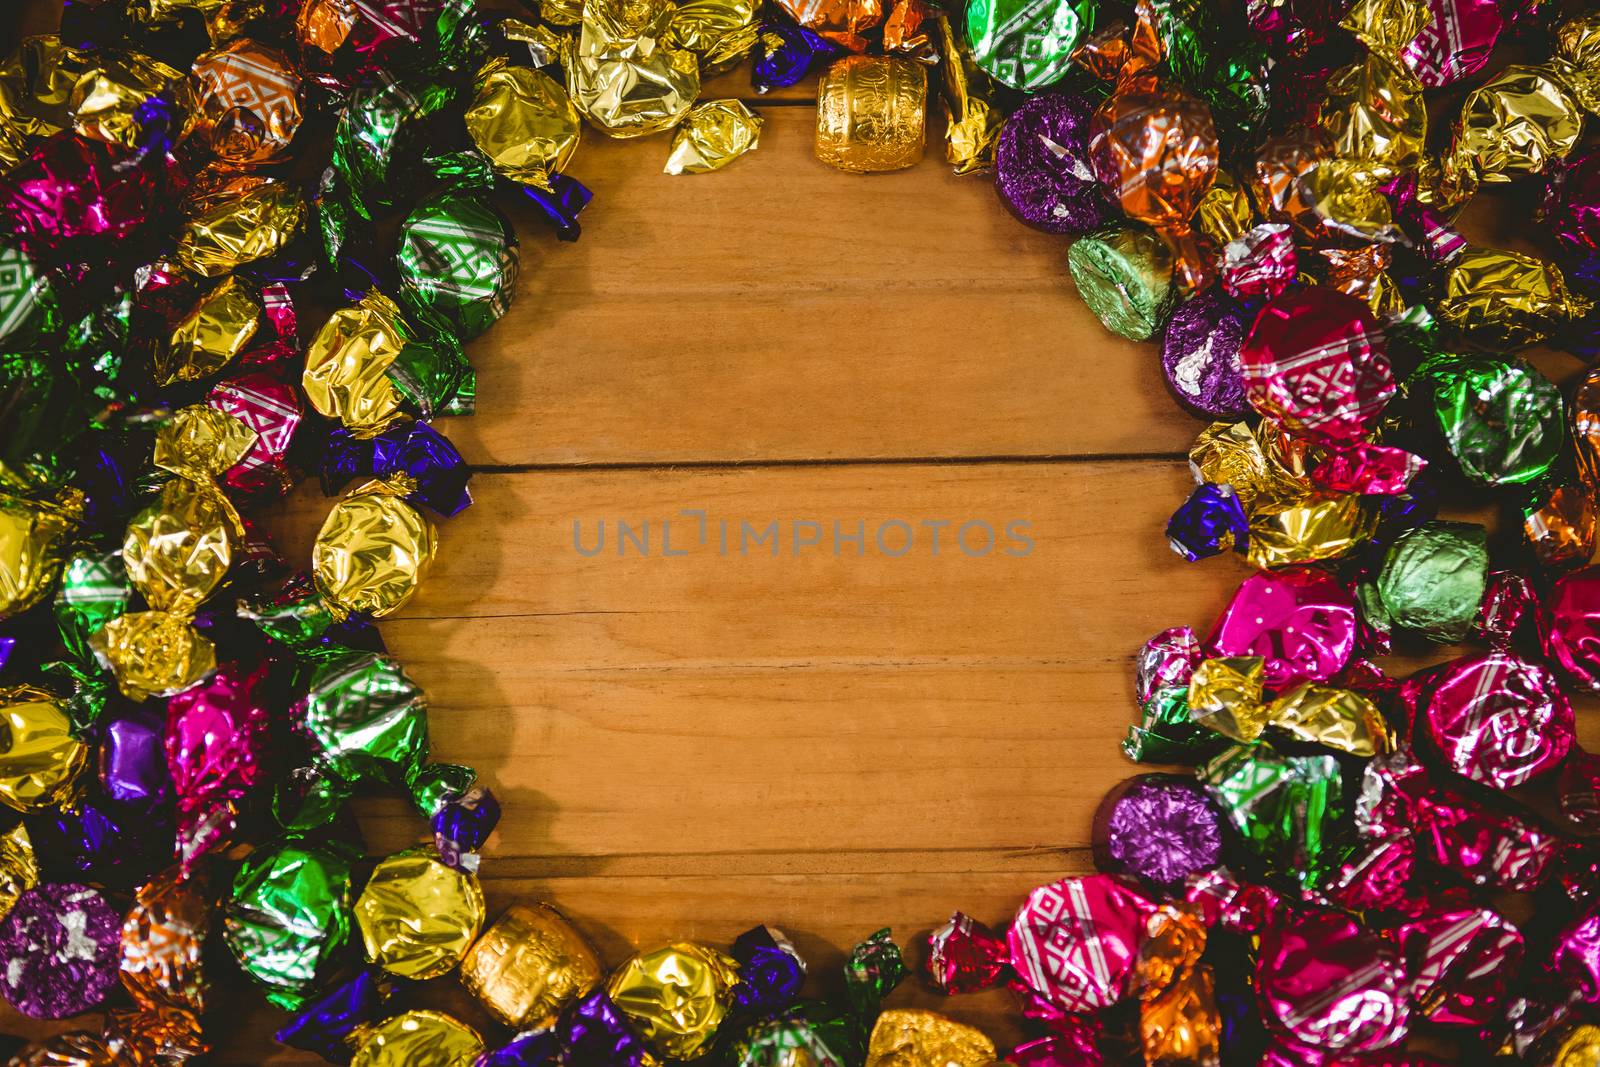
(211, 335)
(1373, 112)
(676, 997)
(373, 549)
(418, 1039)
(972, 121)
(1319, 528)
(905, 1037)
(105, 101)
(1516, 124)
(623, 75)
(36, 84)
(529, 965)
(347, 363)
(1335, 718)
(1253, 462)
(230, 231)
(418, 915)
(523, 121)
(247, 102)
(1225, 696)
(19, 868)
(871, 113)
(154, 653)
(179, 549)
(1507, 300)
(39, 757)
(714, 134)
(720, 32)
(34, 538)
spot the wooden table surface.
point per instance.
(687, 745)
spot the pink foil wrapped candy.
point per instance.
(1572, 627)
(1460, 964)
(218, 740)
(1074, 942)
(1326, 983)
(1301, 621)
(1498, 719)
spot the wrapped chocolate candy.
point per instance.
(1461, 963)
(61, 943)
(417, 915)
(841, 21)
(1326, 983)
(1483, 846)
(622, 75)
(419, 1039)
(1158, 828)
(288, 914)
(1074, 942)
(212, 335)
(1519, 122)
(1042, 170)
(1027, 46)
(377, 137)
(965, 956)
(40, 759)
(1210, 522)
(1313, 529)
(347, 375)
(373, 549)
(1507, 300)
(273, 409)
(250, 221)
(247, 107)
(33, 547)
(523, 121)
(907, 1036)
(1200, 356)
(1124, 276)
(333, 1024)
(1374, 115)
(1225, 695)
(1153, 146)
(1283, 806)
(163, 942)
(871, 112)
(457, 261)
(1264, 467)
(712, 135)
(675, 996)
(1497, 719)
(1434, 577)
(1564, 530)
(771, 971)
(19, 867)
(1455, 42)
(1301, 621)
(720, 32)
(1501, 420)
(1572, 627)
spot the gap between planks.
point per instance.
(841, 461)
(1046, 860)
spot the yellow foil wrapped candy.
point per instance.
(676, 997)
(154, 653)
(373, 549)
(418, 1039)
(714, 134)
(1231, 453)
(1507, 300)
(1318, 528)
(232, 231)
(36, 84)
(105, 100)
(1225, 696)
(871, 113)
(905, 1037)
(623, 76)
(523, 121)
(347, 363)
(972, 121)
(1224, 212)
(418, 915)
(720, 32)
(179, 549)
(39, 757)
(211, 335)
(19, 868)
(529, 965)
(34, 536)
(1335, 718)
(1516, 124)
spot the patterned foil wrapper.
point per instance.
(40, 758)
(1498, 719)
(60, 942)
(529, 966)
(909, 1035)
(1460, 964)
(871, 113)
(1026, 45)
(271, 408)
(419, 1039)
(1301, 621)
(1502, 420)
(287, 915)
(712, 135)
(1316, 361)
(457, 262)
(1261, 263)
(523, 121)
(1484, 846)
(965, 956)
(1328, 984)
(163, 943)
(30, 310)
(1284, 807)
(1074, 943)
(1159, 828)
(1455, 42)
(247, 102)
(418, 915)
(675, 996)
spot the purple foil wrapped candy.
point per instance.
(771, 972)
(413, 448)
(1042, 168)
(133, 759)
(536, 1048)
(324, 1025)
(63, 945)
(592, 1031)
(1200, 356)
(1160, 828)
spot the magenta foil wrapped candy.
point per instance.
(72, 190)
(1460, 963)
(1301, 621)
(62, 944)
(1200, 356)
(1074, 942)
(1159, 828)
(1575, 958)
(1456, 41)
(218, 739)
(1498, 719)
(1571, 208)
(1166, 661)
(1042, 170)
(1572, 627)
(1325, 983)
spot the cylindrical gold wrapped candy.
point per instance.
(530, 965)
(871, 113)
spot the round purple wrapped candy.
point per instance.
(1200, 356)
(1042, 168)
(1161, 828)
(63, 945)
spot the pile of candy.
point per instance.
(185, 181)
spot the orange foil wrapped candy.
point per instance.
(163, 942)
(843, 21)
(871, 113)
(1298, 180)
(247, 102)
(373, 549)
(1585, 418)
(1153, 146)
(529, 965)
(1561, 531)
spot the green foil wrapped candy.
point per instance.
(373, 139)
(1167, 732)
(1284, 807)
(1027, 44)
(457, 262)
(1502, 420)
(29, 312)
(94, 590)
(367, 719)
(287, 915)
(1124, 274)
(808, 1034)
(1433, 579)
